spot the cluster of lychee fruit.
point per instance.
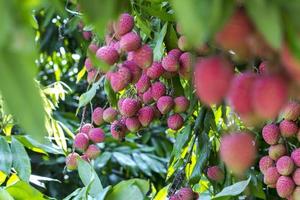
(281, 167)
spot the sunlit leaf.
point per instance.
(5, 156)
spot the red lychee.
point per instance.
(170, 63)
(81, 141)
(276, 151)
(96, 135)
(215, 173)
(88, 65)
(264, 67)
(85, 157)
(71, 161)
(134, 69)
(129, 107)
(120, 102)
(285, 186)
(92, 152)
(271, 133)
(184, 194)
(92, 76)
(86, 128)
(124, 25)
(98, 116)
(120, 79)
(296, 176)
(285, 165)
(212, 79)
(175, 52)
(165, 104)
(108, 54)
(175, 122)
(185, 65)
(110, 114)
(143, 57)
(271, 176)
(118, 130)
(158, 89)
(87, 35)
(155, 71)
(238, 151)
(146, 115)
(291, 111)
(143, 84)
(130, 41)
(296, 157)
(147, 96)
(133, 124)
(181, 104)
(288, 128)
(265, 163)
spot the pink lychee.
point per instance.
(183, 43)
(170, 63)
(143, 57)
(181, 104)
(110, 114)
(155, 71)
(98, 116)
(88, 65)
(158, 89)
(271, 133)
(92, 76)
(71, 161)
(184, 194)
(185, 65)
(265, 163)
(147, 96)
(118, 130)
(96, 135)
(291, 111)
(285, 186)
(92, 152)
(87, 35)
(134, 69)
(124, 24)
(93, 47)
(296, 157)
(175, 52)
(133, 124)
(86, 128)
(215, 173)
(129, 107)
(130, 41)
(285, 165)
(146, 115)
(81, 141)
(165, 104)
(108, 54)
(120, 79)
(271, 176)
(296, 176)
(276, 151)
(143, 84)
(288, 128)
(175, 122)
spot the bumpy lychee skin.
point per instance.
(215, 173)
(238, 151)
(158, 89)
(96, 135)
(108, 54)
(296, 157)
(170, 63)
(291, 63)
(71, 161)
(143, 84)
(86, 128)
(183, 44)
(110, 114)
(269, 96)
(133, 124)
(130, 42)
(120, 102)
(175, 52)
(285, 186)
(124, 25)
(165, 104)
(175, 122)
(146, 115)
(129, 107)
(265, 163)
(285, 165)
(296, 176)
(88, 65)
(81, 141)
(212, 77)
(291, 111)
(98, 116)
(184, 194)
(288, 128)
(296, 194)
(235, 34)
(118, 130)
(92, 152)
(147, 97)
(185, 65)
(277, 151)
(120, 79)
(134, 69)
(181, 104)
(271, 176)
(155, 71)
(143, 57)
(271, 133)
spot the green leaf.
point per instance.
(80, 74)
(73, 194)
(21, 161)
(234, 189)
(171, 39)
(5, 195)
(156, 11)
(86, 97)
(87, 175)
(111, 95)
(123, 159)
(181, 140)
(141, 164)
(102, 160)
(155, 165)
(22, 190)
(269, 24)
(162, 194)
(5, 156)
(178, 89)
(159, 48)
(103, 194)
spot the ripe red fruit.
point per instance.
(265, 163)
(165, 104)
(291, 63)
(85, 157)
(155, 71)
(87, 35)
(158, 89)
(185, 65)
(120, 102)
(175, 122)
(296, 176)
(238, 151)
(118, 130)
(143, 84)
(98, 116)
(271, 133)
(288, 128)
(88, 65)
(134, 69)
(120, 79)
(133, 124)
(264, 67)
(146, 115)
(215, 173)
(147, 97)
(285, 165)
(276, 151)
(291, 111)
(170, 63)
(130, 42)
(124, 25)
(271, 176)
(71, 161)
(285, 186)
(235, 34)
(269, 96)
(86, 128)
(181, 104)
(143, 57)
(92, 152)
(96, 135)
(212, 79)
(296, 157)
(175, 52)
(81, 141)
(110, 114)
(129, 107)
(184, 194)
(108, 54)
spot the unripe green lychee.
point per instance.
(183, 44)
(296, 194)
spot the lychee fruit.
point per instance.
(130, 42)
(92, 152)
(71, 161)
(165, 104)
(118, 130)
(158, 89)
(175, 122)
(271, 134)
(81, 141)
(183, 44)
(184, 194)
(110, 114)
(143, 57)
(155, 71)
(296, 194)
(120, 79)
(296, 157)
(215, 173)
(264, 67)
(175, 52)
(285, 186)
(271, 176)
(285, 165)
(276, 151)
(120, 102)
(238, 151)
(143, 84)
(296, 176)
(96, 135)
(134, 69)
(291, 111)
(288, 128)
(146, 115)
(147, 96)
(88, 64)
(108, 54)
(124, 24)
(129, 107)
(265, 163)
(212, 79)
(85, 157)
(98, 116)
(269, 96)
(86, 128)
(185, 65)
(87, 35)
(181, 104)
(133, 124)
(170, 63)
